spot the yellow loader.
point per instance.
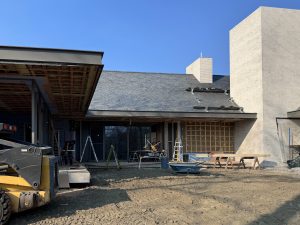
(28, 177)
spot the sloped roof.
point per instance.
(158, 92)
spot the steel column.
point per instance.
(166, 138)
(179, 131)
(33, 116)
(41, 123)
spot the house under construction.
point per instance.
(56, 95)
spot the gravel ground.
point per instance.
(155, 196)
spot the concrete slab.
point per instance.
(76, 174)
(63, 180)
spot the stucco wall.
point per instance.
(246, 80)
(281, 70)
(202, 69)
(265, 76)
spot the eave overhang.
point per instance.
(66, 79)
(167, 115)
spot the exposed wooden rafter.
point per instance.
(69, 87)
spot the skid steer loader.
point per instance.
(28, 177)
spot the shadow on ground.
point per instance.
(66, 204)
(287, 213)
(213, 185)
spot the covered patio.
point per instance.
(133, 131)
(43, 88)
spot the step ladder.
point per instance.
(111, 153)
(178, 152)
(89, 139)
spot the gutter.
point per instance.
(168, 114)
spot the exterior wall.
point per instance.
(281, 70)
(264, 50)
(246, 80)
(202, 69)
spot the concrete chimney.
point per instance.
(201, 68)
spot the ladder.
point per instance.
(113, 152)
(89, 139)
(178, 152)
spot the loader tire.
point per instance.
(5, 207)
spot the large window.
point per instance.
(126, 139)
(118, 137)
(208, 137)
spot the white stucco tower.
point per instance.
(265, 76)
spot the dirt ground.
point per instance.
(156, 196)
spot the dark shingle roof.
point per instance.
(157, 92)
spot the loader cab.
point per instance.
(34, 165)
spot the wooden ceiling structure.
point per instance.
(66, 79)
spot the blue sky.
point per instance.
(135, 35)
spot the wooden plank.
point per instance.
(223, 155)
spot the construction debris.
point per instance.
(217, 108)
(209, 89)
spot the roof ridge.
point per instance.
(162, 73)
(181, 74)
